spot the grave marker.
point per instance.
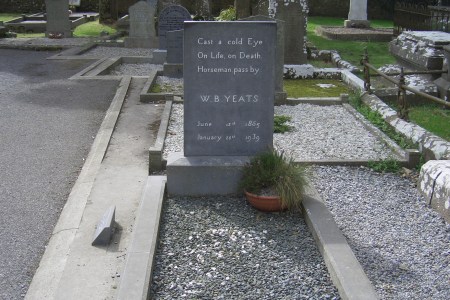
(171, 18)
(58, 22)
(228, 87)
(142, 26)
(174, 65)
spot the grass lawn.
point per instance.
(92, 29)
(433, 118)
(8, 17)
(298, 88)
(351, 51)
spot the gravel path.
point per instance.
(222, 248)
(402, 244)
(320, 132)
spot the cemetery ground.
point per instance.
(212, 247)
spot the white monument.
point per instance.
(357, 16)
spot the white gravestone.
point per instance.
(357, 16)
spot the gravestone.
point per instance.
(228, 104)
(243, 8)
(171, 18)
(142, 26)
(280, 94)
(357, 15)
(175, 46)
(58, 22)
(174, 65)
(294, 13)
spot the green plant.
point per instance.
(387, 165)
(273, 170)
(376, 119)
(228, 14)
(297, 88)
(279, 125)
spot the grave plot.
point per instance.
(318, 133)
(221, 248)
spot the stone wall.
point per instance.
(377, 9)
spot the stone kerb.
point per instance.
(228, 104)
(142, 26)
(171, 18)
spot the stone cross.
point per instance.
(357, 16)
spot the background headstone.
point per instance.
(280, 94)
(142, 26)
(175, 46)
(228, 88)
(171, 18)
(243, 8)
(357, 15)
(58, 22)
(294, 13)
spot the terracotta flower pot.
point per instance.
(264, 203)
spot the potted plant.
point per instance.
(273, 182)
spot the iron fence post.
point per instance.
(401, 97)
(364, 62)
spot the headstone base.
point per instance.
(204, 175)
(443, 87)
(159, 56)
(137, 42)
(280, 98)
(357, 24)
(173, 70)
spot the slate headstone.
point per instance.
(142, 26)
(175, 46)
(171, 18)
(228, 87)
(58, 22)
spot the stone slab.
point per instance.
(105, 228)
(204, 175)
(434, 184)
(138, 42)
(228, 87)
(421, 49)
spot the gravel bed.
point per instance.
(221, 248)
(402, 244)
(135, 69)
(102, 51)
(170, 84)
(320, 132)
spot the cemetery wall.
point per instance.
(377, 9)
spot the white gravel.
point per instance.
(170, 84)
(102, 51)
(221, 248)
(135, 69)
(402, 244)
(320, 132)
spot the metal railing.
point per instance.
(413, 16)
(401, 86)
